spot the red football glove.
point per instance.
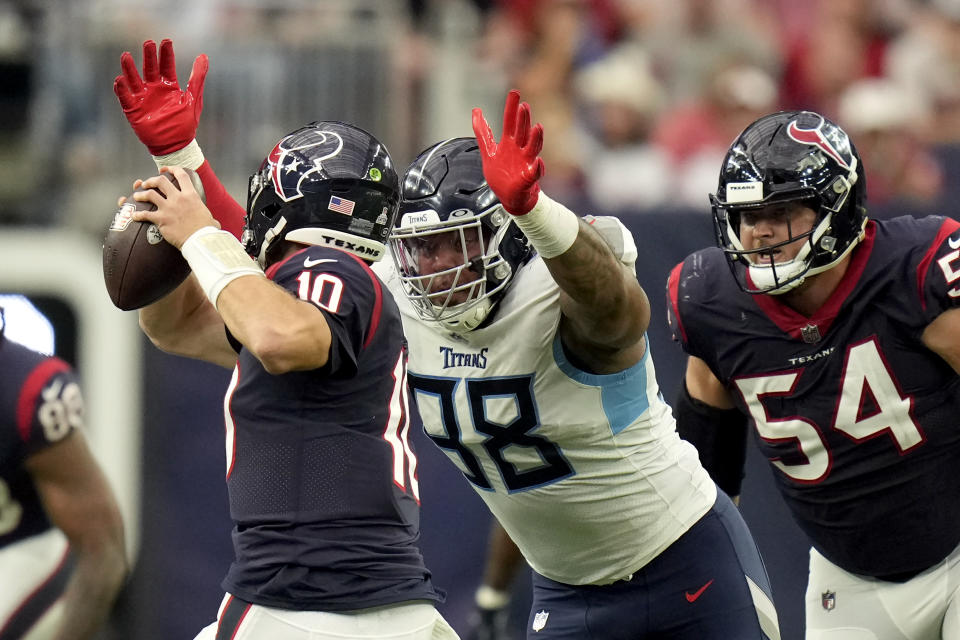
(513, 167)
(163, 117)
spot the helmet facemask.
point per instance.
(460, 296)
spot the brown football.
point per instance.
(139, 266)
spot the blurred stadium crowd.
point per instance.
(640, 98)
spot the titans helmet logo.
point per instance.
(828, 138)
(286, 161)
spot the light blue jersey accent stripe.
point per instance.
(623, 394)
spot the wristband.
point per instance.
(489, 598)
(190, 157)
(217, 259)
(550, 226)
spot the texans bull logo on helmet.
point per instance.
(285, 160)
(829, 138)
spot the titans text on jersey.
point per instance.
(559, 455)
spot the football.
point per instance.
(139, 266)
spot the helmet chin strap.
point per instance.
(268, 238)
(796, 271)
(469, 319)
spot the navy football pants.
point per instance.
(697, 589)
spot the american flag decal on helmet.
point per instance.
(833, 142)
(341, 205)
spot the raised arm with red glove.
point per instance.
(165, 119)
(605, 311)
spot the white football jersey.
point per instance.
(585, 472)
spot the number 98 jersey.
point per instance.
(585, 472)
(858, 418)
(41, 404)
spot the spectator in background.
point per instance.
(696, 135)
(62, 556)
(622, 99)
(689, 40)
(888, 123)
(925, 59)
(547, 42)
(845, 40)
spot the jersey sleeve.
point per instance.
(938, 273)
(48, 407)
(691, 299)
(617, 237)
(348, 294)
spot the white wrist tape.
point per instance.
(217, 259)
(190, 157)
(489, 598)
(550, 227)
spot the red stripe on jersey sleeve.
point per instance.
(948, 227)
(673, 294)
(377, 302)
(27, 402)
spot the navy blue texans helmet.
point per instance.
(791, 156)
(328, 183)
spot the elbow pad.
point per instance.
(720, 436)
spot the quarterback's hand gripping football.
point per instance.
(163, 116)
(513, 166)
(179, 210)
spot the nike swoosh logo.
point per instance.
(954, 244)
(312, 263)
(692, 597)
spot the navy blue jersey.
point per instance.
(40, 405)
(320, 470)
(858, 417)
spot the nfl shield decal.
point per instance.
(829, 600)
(540, 620)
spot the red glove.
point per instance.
(513, 167)
(163, 117)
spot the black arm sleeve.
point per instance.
(720, 436)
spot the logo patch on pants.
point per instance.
(829, 600)
(540, 620)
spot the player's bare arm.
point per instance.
(184, 323)
(283, 332)
(604, 308)
(704, 386)
(79, 502)
(942, 336)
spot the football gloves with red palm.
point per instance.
(513, 166)
(163, 116)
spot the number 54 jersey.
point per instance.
(585, 472)
(858, 418)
